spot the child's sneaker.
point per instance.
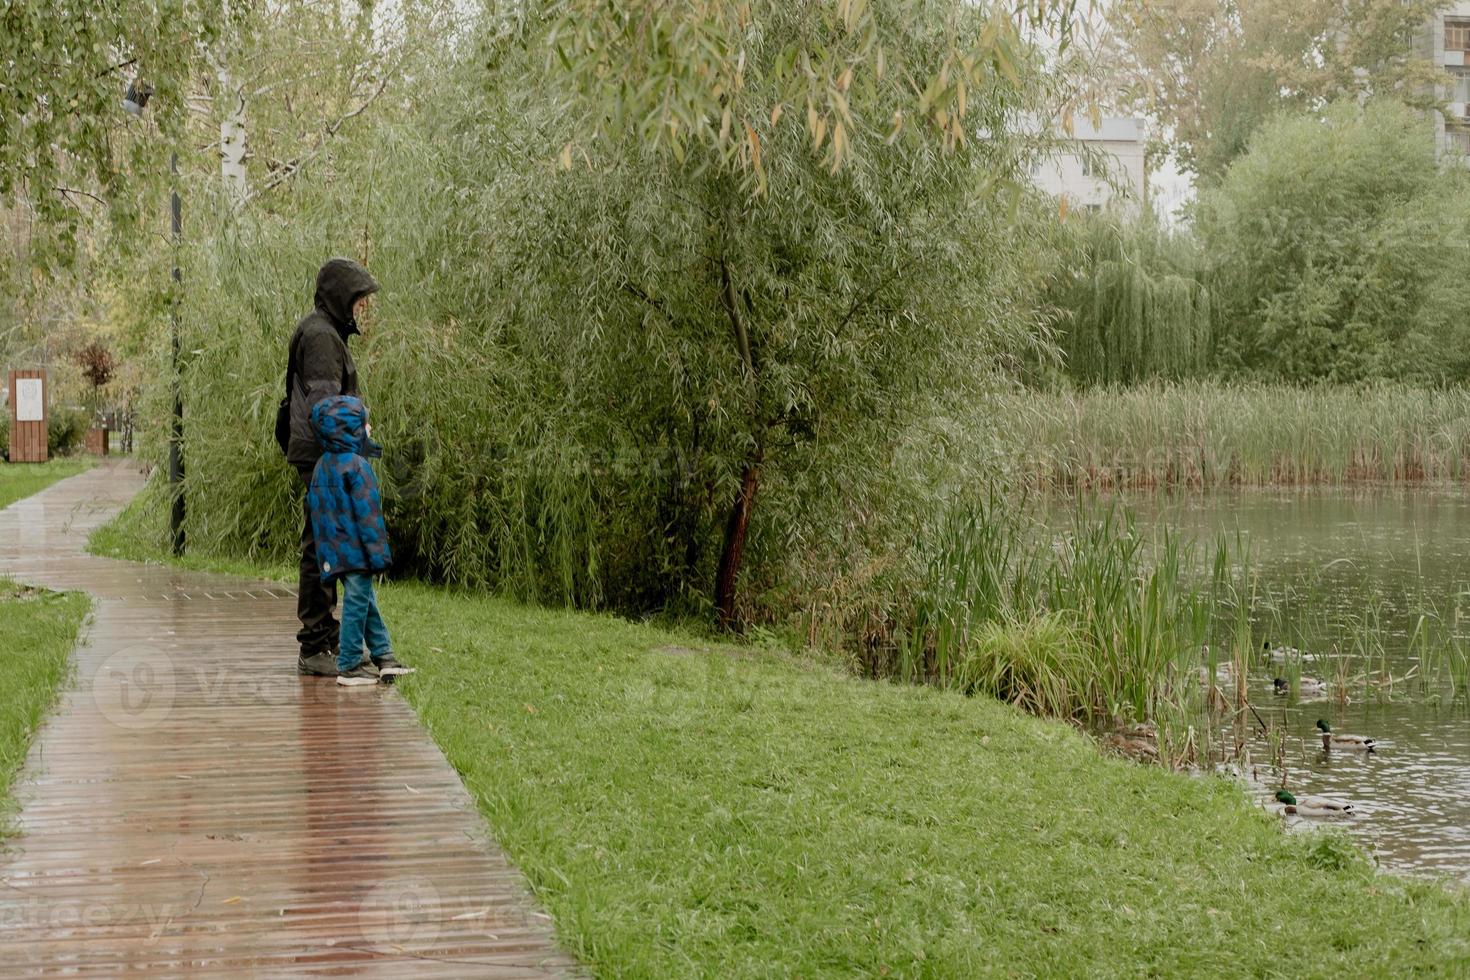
(389, 666)
(358, 676)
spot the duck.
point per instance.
(1313, 806)
(1279, 654)
(1140, 729)
(1133, 746)
(1336, 740)
(1307, 687)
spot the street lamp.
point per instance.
(135, 100)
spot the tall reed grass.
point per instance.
(1100, 622)
(1207, 435)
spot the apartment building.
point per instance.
(1112, 176)
(1448, 44)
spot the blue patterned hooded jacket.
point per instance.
(346, 509)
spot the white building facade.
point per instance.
(1448, 45)
(1110, 176)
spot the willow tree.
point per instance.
(64, 67)
(756, 228)
(1134, 302)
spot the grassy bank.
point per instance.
(1207, 436)
(19, 480)
(722, 813)
(685, 811)
(39, 630)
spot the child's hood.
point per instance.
(340, 424)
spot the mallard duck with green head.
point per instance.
(1307, 687)
(1337, 740)
(1313, 806)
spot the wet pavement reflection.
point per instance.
(193, 807)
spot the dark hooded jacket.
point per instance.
(324, 366)
(346, 509)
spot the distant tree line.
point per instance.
(1332, 250)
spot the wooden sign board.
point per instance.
(97, 439)
(28, 416)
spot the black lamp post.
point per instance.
(134, 102)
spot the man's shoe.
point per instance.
(388, 666)
(357, 677)
(322, 664)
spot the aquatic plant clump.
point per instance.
(1094, 623)
(1101, 620)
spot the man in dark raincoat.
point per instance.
(321, 366)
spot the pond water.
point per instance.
(1346, 575)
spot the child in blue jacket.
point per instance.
(351, 541)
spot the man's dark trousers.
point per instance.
(315, 600)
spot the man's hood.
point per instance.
(339, 284)
(340, 424)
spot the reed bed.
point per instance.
(1124, 631)
(1094, 624)
(1207, 436)
(1407, 645)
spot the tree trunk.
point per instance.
(732, 552)
(232, 136)
(232, 132)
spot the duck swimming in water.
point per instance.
(1279, 654)
(1224, 676)
(1307, 687)
(1313, 806)
(1335, 740)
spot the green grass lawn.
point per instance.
(740, 813)
(19, 480)
(38, 630)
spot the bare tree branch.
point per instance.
(67, 192)
(293, 167)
